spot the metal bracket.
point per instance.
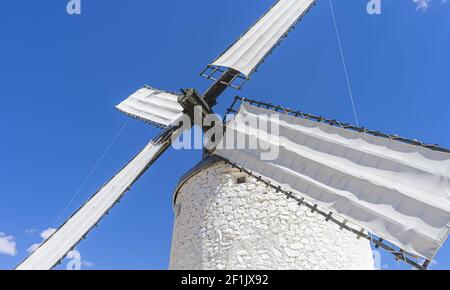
(214, 73)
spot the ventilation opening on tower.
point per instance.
(240, 179)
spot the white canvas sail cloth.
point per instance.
(251, 49)
(70, 233)
(151, 105)
(397, 191)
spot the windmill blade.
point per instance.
(56, 247)
(397, 191)
(250, 50)
(157, 107)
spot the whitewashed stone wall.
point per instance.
(223, 225)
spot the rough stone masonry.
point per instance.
(225, 219)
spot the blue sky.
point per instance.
(62, 75)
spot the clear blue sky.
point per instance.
(61, 76)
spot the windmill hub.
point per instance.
(191, 100)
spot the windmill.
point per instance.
(383, 188)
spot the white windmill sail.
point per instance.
(398, 191)
(56, 247)
(253, 46)
(150, 105)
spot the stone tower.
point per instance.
(225, 219)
